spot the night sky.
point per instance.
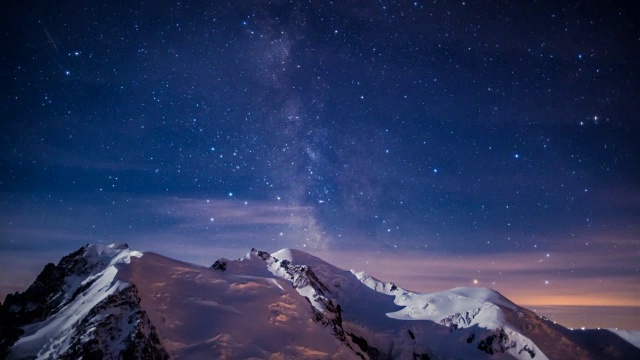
(435, 144)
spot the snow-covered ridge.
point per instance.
(479, 315)
(457, 309)
(90, 277)
(112, 302)
(632, 337)
(467, 305)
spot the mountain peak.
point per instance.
(120, 246)
(109, 301)
(294, 255)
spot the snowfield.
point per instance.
(112, 302)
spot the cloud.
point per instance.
(196, 230)
(198, 211)
(144, 221)
(252, 223)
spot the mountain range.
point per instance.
(112, 302)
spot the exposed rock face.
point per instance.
(220, 265)
(327, 309)
(498, 342)
(48, 294)
(459, 320)
(109, 302)
(371, 352)
(116, 328)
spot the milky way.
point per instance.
(499, 138)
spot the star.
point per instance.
(311, 119)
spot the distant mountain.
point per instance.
(110, 302)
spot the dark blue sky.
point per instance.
(491, 129)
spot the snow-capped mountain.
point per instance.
(110, 302)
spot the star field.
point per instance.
(499, 138)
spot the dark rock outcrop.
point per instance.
(45, 297)
(219, 265)
(116, 328)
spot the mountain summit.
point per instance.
(111, 302)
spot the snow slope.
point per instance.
(202, 313)
(393, 312)
(111, 302)
(52, 336)
(632, 337)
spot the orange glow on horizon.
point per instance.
(541, 300)
(526, 279)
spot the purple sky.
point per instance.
(487, 141)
